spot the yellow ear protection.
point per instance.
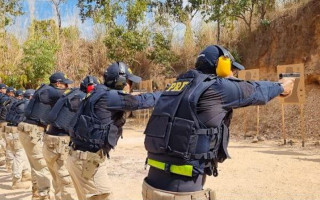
(224, 63)
(121, 80)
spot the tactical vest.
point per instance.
(8, 104)
(89, 133)
(4, 99)
(64, 110)
(39, 106)
(16, 112)
(176, 140)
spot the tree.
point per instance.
(227, 11)
(39, 53)
(123, 39)
(8, 10)
(214, 12)
(56, 5)
(181, 11)
(161, 52)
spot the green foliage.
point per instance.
(179, 10)
(124, 44)
(38, 62)
(228, 11)
(104, 12)
(265, 22)
(44, 30)
(8, 10)
(123, 41)
(135, 13)
(71, 33)
(161, 53)
(39, 53)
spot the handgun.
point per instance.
(289, 75)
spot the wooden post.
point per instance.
(258, 120)
(245, 123)
(283, 125)
(302, 124)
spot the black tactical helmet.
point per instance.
(29, 93)
(116, 76)
(19, 93)
(88, 80)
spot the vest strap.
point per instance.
(184, 170)
(207, 156)
(104, 126)
(208, 131)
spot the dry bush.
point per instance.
(78, 57)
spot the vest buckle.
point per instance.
(167, 167)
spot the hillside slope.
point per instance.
(292, 38)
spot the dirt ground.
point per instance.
(264, 170)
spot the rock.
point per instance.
(317, 143)
(250, 134)
(255, 139)
(261, 138)
(291, 142)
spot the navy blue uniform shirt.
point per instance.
(226, 94)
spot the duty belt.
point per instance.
(184, 170)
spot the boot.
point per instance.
(2, 162)
(45, 196)
(26, 176)
(17, 184)
(35, 194)
(9, 166)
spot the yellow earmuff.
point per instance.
(223, 64)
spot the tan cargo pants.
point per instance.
(20, 160)
(2, 144)
(151, 193)
(9, 153)
(31, 139)
(89, 174)
(55, 152)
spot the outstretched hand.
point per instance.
(287, 84)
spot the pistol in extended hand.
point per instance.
(289, 75)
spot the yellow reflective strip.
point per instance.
(156, 164)
(185, 170)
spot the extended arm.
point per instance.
(237, 94)
(127, 102)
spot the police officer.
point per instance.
(57, 139)
(3, 90)
(7, 102)
(21, 171)
(98, 128)
(34, 126)
(188, 132)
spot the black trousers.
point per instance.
(172, 182)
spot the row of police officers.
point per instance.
(60, 137)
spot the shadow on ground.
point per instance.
(284, 153)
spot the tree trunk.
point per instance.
(218, 31)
